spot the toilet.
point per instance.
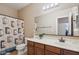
(21, 49)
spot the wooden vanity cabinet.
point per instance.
(51, 50)
(30, 48)
(39, 49)
(34, 48)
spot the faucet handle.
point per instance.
(61, 39)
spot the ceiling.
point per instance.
(16, 5)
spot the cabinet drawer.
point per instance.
(68, 52)
(30, 43)
(39, 45)
(49, 53)
(53, 49)
(39, 51)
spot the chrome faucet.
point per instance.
(61, 39)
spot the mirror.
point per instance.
(63, 26)
(61, 22)
(49, 27)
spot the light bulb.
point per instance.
(56, 4)
(47, 6)
(44, 8)
(51, 5)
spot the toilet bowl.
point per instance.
(21, 48)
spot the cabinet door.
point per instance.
(30, 50)
(53, 49)
(68, 52)
(49, 53)
(39, 51)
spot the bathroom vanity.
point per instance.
(56, 25)
(48, 47)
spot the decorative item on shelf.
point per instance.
(15, 32)
(41, 35)
(7, 30)
(9, 39)
(1, 32)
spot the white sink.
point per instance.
(20, 48)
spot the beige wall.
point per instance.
(30, 12)
(8, 11)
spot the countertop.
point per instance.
(69, 44)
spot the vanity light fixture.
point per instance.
(48, 6)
